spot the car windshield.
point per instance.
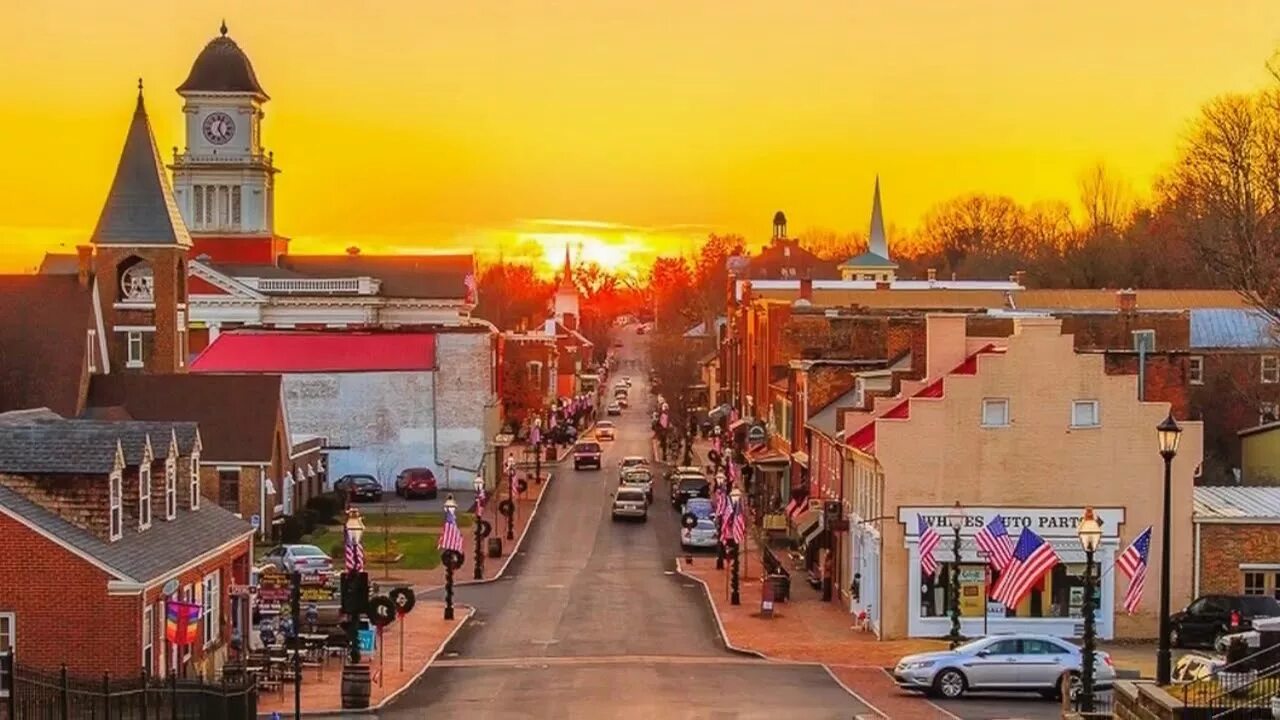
(1260, 605)
(604, 425)
(366, 481)
(587, 448)
(626, 461)
(631, 495)
(308, 551)
(692, 485)
(359, 479)
(972, 645)
(706, 524)
(699, 506)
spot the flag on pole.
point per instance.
(994, 539)
(481, 498)
(1133, 561)
(1032, 558)
(180, 624)
(450, 536)
(929, 540)
(738, 528)
(353, 553)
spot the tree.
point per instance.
(981, 235)
(671, 283)
(711, 274)
(832, 246)
(511, 293)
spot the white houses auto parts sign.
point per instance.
(1045, 522)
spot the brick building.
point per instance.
(103, 521)
(1237, 541)
(529, 372)
(783, 258)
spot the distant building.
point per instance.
(874, 264)
(783, 258)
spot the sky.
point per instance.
(620, 128)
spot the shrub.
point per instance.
(327, 508)
(292, 530)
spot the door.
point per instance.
(1042, 663)
(994, 666)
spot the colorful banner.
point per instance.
(181, 622)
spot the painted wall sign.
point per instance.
(1046, 522)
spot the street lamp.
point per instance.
(1090, 532)
(478, 486)
(1168, 434)
(955, 519)
(450, 508)
(356, 581)
(511, 501)
(720, 481)
(535, 435)
(735, 500)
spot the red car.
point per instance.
(416, 482)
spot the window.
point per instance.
(208, 204)
(229, 489)
(198, 208)
(1195, 370)
(193, 496)
(170, 489)
(1255, 583)
(135, 349)
(211, 608)
(1267, 413)
(534, 370)
(148, 639)
(90, 358)
(235, 205)
(182, 339)
(116, 519)
(1270, 369)
(188, 596)
(144, 496)
(1084, 413)
(995, 412)
(224, 206)
(7, 632)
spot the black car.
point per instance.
(689, 487)
(1212, 616)
(361, 488)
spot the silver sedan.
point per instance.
(1035, 663)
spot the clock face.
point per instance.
(219, 128)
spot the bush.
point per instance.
(327, 508)
(1237, 650)
(292, 530)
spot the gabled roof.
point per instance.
(54, 445)
(317, 352)
(59, 264)
(1232, 503)
(1239, 328)
(868, 259)
(436, 277)
(142, 557)
(238, 415)
(140, 209)
(44, 324)
(700, 330)
(826, 419)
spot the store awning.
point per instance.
(808, 524)
(765, 456)
(737, 424)
(813, 532)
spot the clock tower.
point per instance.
(223, 180)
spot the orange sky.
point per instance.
(627, 127)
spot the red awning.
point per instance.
(316, 352)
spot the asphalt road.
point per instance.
(590, 620)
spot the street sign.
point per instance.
(256, 521)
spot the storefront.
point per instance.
(864, 584)
(1053, 607)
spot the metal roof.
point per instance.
(826, 419)
(1232, 328)
(1232, 503)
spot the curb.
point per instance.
(843, 686)
(937, 708)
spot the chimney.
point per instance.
(1020, 277)
(933, 274)
(882, 284)
(570, 321)
(84, 264)
(806, 288)
(1127, 300)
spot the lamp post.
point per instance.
(720, 549)
(357, 582)
(478, 486)
(1090, 532)
(535, 436)
(511, 498)
(1168, 434)
(735, 500)
(450, 508)
(955, 519)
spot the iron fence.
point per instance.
(1101, 708)
(1240, 690)
(32, 694)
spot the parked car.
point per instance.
(1035, 663)
(1194, 667)
(622, 401)
(587, 454)
(702, 535)
(626, 380)
(605, 430)
(303, 558)
(360, 488)
(614, 408)
(630, 503)
(689, 487)
(417, 482)
(639, 478)
(632, 461)
(1210, 617)
(701, 507)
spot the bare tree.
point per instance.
(1106, 199)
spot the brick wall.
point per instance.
(1223, 547)
(1230, 399)
(1164, 378)
(80, 500)
(160, 352)
(825, 384)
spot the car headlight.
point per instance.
(920, 665)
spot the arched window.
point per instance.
(137, 281)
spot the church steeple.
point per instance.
(566, 300)
(877, 240)
(566, 277)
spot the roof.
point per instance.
(59, 264)
(877, 239)
(1227, 503)
(140, 209)
(58, 446)
(144, 556)
(318, 352)
(869, 259)
(826, 419)
(1232, 328)
(237, 414)
(1146, 299)
(441, 277)
(927, 299)
(1256, 429)
(700, 330)
(222, 67)
(44, 323)
(251, 270)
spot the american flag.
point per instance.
(450, 536)
(1133, 561)
(994, 539)
(929, 540)
(481, 498)
(354, 554)
(738, 525)
(1032, 558)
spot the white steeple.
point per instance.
(877, 241)
(566, 300)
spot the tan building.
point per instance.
(1027, 428)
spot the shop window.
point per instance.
(995, 412)
(1059, 594)
(1084, 414)
(1270, 369)
(1255, 583)
(229, 489)
(1195, 370)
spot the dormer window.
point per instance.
(194, 497)
(144, 496)
(90, 357)
(115, 521)
(170, 489)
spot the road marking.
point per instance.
(555, 587)
(546, 661)
(668, 572)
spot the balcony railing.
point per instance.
(318, 286)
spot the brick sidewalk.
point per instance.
(425, 634)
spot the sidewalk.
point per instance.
(425, 634)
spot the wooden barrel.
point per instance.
(355, 687)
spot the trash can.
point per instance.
(781, 586)
(495, 547)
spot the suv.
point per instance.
(416, 482)
(687, 487)
(630, 502)
(1212, 616)
(586, 454)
